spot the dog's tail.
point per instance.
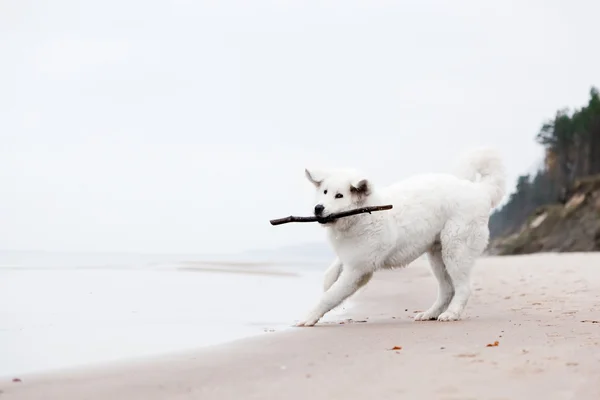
(485, 167)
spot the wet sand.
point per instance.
(543, 310)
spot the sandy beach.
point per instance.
(542, 310)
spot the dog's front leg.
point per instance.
(350, 281)
(332, 274)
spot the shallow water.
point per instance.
(54, 316)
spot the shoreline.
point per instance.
(124, 314)
(535, 306)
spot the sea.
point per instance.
(69, 310)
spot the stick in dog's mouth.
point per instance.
(331, 217)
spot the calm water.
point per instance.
(61, 311)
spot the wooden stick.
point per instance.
(330, 217)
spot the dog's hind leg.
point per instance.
(347, 284)
(459, 252)
(445, 288)
(332, 274)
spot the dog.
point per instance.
(443, 215)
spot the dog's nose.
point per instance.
(319, 210)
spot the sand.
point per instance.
(543, 311)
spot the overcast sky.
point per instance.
(184, 126)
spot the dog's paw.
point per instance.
(306, 323)
(426, 316)
(448, 316)
(309, 321)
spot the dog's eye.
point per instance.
(325, 191)
(339, 196)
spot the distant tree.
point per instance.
(572, 150)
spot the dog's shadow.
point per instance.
(387, 323)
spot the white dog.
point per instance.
(443, 215)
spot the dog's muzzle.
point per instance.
(319, 208)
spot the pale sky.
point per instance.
(184, 126)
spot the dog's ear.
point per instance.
(316, 177)
(362, 187)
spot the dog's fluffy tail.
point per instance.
(485, 166)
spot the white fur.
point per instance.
(443, 215)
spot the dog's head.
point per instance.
(338, 190)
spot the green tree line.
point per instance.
(571, 142)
